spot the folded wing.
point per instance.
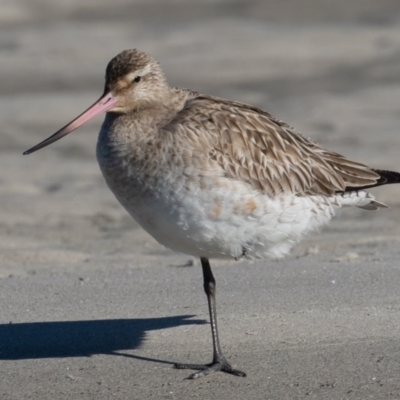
(252, 146)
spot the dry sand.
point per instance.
(93, 308)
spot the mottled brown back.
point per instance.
(252, 146)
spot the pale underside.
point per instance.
(223, 179)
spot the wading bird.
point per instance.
(214, 178)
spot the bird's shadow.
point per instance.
(82, 338)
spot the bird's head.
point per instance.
(134, 81)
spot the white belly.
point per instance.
(225, 222)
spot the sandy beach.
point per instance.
(93, 308)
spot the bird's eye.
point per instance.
(137, 79)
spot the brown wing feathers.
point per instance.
(251, 145)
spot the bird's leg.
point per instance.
(219, 362)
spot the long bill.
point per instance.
(105, 103)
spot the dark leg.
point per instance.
(219, 362)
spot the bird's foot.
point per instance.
(205, 369)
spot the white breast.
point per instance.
(223, 219)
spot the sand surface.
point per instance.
(93, 308)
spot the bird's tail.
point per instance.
(386, 177)
(367, 200)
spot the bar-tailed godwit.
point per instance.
(214, 178)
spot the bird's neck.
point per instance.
(133, 137)
(145, 120)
